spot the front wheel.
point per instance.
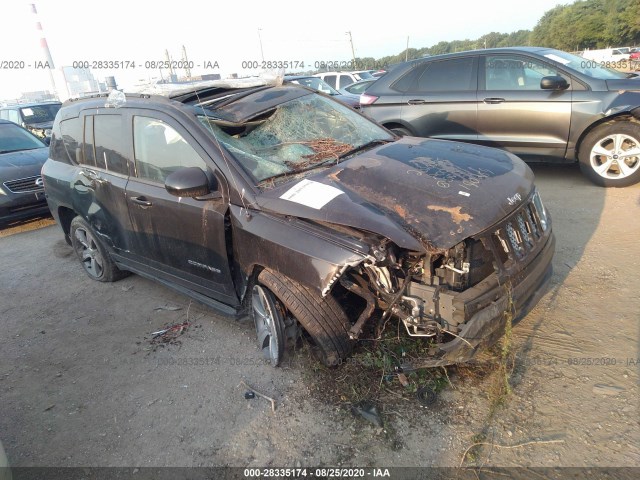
(322, 317)
(610, 155)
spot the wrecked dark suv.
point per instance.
(281, 201)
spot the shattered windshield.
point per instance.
(296, 136)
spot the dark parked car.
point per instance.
(21, 158)
(35, 117)
(321, 86)
(285, 202)
(538, 103)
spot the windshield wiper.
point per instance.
(296, 172)
(362, 147)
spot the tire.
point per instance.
(401, 131)
(322, 318)
(603, 154)
(92, 254)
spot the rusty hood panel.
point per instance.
(422, 194)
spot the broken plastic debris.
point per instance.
(368, 411)
(167, 307)
(404, 381)
(175, 330)
(115, 99)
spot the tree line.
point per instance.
(585, 24)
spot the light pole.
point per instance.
(260, 39)
(353, 52)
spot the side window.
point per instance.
(110, 150)
(88, 154)
(331, 80)
(506, 72)
(71, 136)
(14, 116)
(409, 80)
(4, 115)
(160, 150)
(345, 80)
(447, 75)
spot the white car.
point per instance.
(340, 80)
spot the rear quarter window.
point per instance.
(66, 138)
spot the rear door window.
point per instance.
(88, 154)
(447, 75)
(345, 80)
(331, 80)
(110, 150)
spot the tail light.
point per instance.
(366, 99)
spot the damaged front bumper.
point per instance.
(478, 315)
(487, 325)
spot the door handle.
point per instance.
(492, 100)
(142, 201)
(416, 101)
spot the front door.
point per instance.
(514, 113)
(179, 239)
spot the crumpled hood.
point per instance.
(25, 163)
(422, 194)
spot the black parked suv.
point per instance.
(284, 202)
(538, 103)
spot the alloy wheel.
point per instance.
(269, 324)
(87, 249)
(616, 156)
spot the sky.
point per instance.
(230, 33)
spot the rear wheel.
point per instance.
(92, 254)
(322, 318)
(610, 154)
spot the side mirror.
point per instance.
(553, 82)
(188, 182)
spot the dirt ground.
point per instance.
(82, 385)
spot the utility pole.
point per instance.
(187, 70)
(260, 39)
(45, 50)
(353, 52)
(406, 52)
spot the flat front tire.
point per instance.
(322, 317)
(92, 254)
(610, 154)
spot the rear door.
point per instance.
(515, 113)
(101, 177)
(440, 99)
(181, 240)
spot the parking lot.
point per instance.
(82, 384)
